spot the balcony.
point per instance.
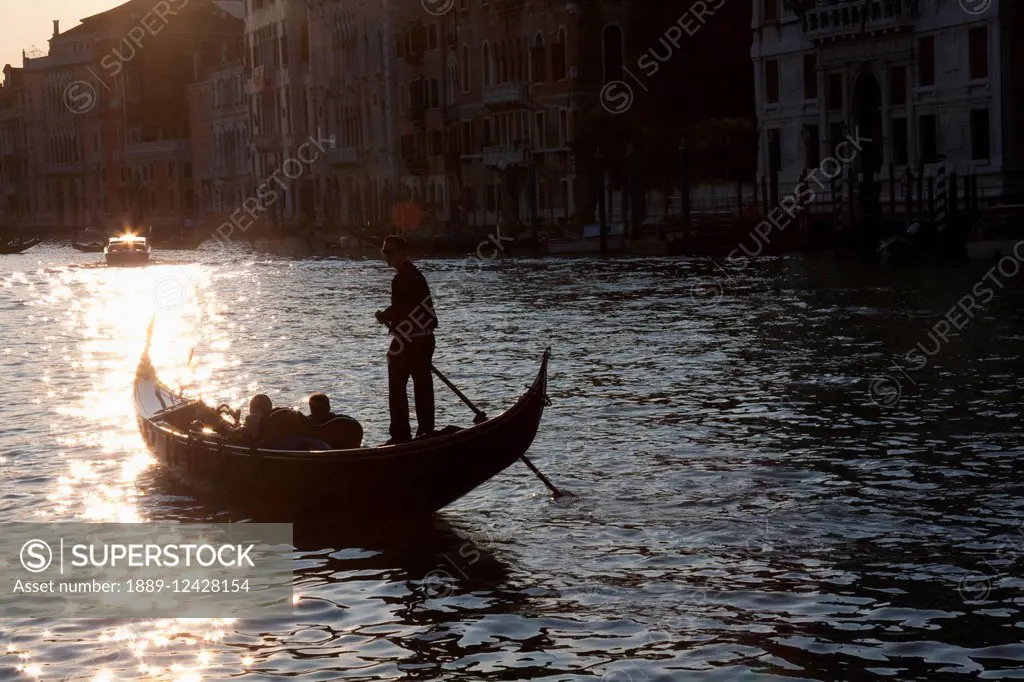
(164, 148)
(262, 78)
(451, 112)
(501, 157)
(839, 19)
(505, 96)
(346, 157)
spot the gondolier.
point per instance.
(411, 320)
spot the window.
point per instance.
(897, 86)
(432, 37)
(928, 138)
(488, 134)
(539, 136)
(435, 95)
(926, 61)
(467, 137)
(558, 57)
(436, 143)
(284, 50)
(774, 149)
(811, 76)
(771, 10)
(613, 53)
(980, 142)
(563, 127)
(771, 81)
(812, 146)
(978, 50)
(465, 69)
(416, 94)
(834, 92)
(487, 64)
(835, 133)
(539, 57)
(900, 142)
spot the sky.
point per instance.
(28, 23)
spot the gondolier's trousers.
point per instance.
(411, 358)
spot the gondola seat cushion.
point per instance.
(282, 422)
(343, 433)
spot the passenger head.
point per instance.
(393, 250)
(319, 405)
(260, 404)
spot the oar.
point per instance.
(481, 417)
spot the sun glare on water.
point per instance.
(105, 314)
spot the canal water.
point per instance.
(770, 484)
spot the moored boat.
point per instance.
(18, 246)
(127, 250)
(89, 240)
(590, 241)
(354, 484)
(997, 233)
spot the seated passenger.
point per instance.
(341, 431)
(320, 409)
(259, 407)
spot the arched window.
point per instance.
(487, 64)
(558, 57)
(465, 69)
(538, 59)
(524, 52)
(613, 53)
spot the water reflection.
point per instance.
(745, 510)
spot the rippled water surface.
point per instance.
(762, 493)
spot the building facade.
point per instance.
(928, 81)
(485, 112)
(277, 61)
(14, 172)
(353, 72)
(219, 126)
(108, 114)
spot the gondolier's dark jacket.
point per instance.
(411, 313)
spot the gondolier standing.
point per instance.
(411, 320)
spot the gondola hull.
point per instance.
(358, 485)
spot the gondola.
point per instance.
(353, 485)
(91, 247)
(18, 246)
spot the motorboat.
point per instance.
(127, 249)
